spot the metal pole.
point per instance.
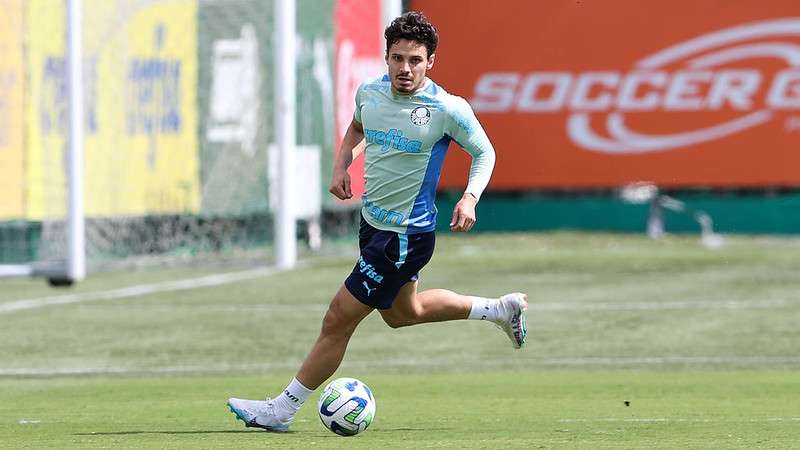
(285, 226)
(390, 10)
(76, 253)
(655, 219)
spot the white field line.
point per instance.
(679, 304)
(221, 307)
(109, 370)
(566, 306)
(233, 277)
(138, 290)
(666, 360)
(679, 419)
(416, 363)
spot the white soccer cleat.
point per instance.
(258, 413)
(511, 317)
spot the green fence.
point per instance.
(749, 213)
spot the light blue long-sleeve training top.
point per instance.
(407, 137)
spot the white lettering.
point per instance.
(792, 124)
(494, 92)
(734, 86)
(785, 91)
(627, 100)
(580, 97)
(541, 92)
(683, 90)
(529, 101)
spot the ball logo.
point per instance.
(709, 73)
(420, 116)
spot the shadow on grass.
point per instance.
(124, 433)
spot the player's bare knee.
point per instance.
(335, 323)
(394, 321)
(399, 320)
(329, 323)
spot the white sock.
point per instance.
(483, 309)
(292, 398)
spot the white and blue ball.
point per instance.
(346, 406)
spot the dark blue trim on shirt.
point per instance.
(423, 214)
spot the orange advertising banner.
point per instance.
(598, 94)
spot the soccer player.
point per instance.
(408, 122)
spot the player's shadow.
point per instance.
(124, 433)
(127, 433)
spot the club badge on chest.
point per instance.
(420, 116)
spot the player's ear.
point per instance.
(430, 61)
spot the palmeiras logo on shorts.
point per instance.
(420, 116)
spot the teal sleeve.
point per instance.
(465, 129)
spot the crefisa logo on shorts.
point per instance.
(710, 73)
(369, 270)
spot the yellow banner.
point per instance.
(11, 110)
(46, 113)
(140, 84)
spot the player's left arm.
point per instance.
(469, 134)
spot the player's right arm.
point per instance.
(340, 181)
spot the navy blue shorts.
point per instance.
(387, 261)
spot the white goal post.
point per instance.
(64, 272)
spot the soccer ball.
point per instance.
(346, 406)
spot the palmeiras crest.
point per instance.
(420, 116)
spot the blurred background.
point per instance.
(627, 116)
(580, 99)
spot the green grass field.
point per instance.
(703, 345)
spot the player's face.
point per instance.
(408, 62)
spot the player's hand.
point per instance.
(464, 214)
(340, 185)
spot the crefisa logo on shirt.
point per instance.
(420, 116)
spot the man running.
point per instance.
(408, 122)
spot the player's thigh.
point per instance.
(404, 304)
(345, 311)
